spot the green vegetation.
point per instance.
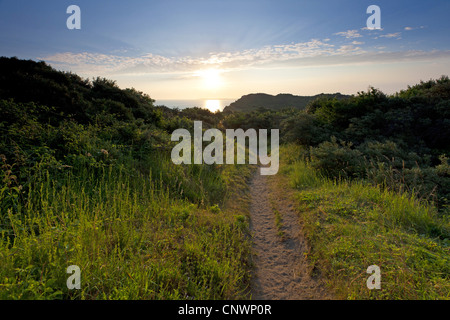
(131, 237)
(398, 142)
(373, 186)
(351, 225)
(87, 180)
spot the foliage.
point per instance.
(397, 141)
(351, 225)
(87, 179)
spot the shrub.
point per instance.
(337, 160)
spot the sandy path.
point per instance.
(281, 271)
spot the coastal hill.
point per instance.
(255, 101)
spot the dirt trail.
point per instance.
(281, 272)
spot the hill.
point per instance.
(68, 95)
(255, 101)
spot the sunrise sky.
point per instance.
(224, 49)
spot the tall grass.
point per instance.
(133, 235)
(351, 225)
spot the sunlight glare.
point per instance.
(212, 78)
(212, 105)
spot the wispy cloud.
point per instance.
(374, 30)
(310, 53)
(349, 34)
(396, 35)
(413, 28)
(150, 63)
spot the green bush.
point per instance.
(337, 160)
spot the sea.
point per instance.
(212, 104)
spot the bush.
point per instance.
(337, 160)
(303, 129)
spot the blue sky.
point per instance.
(224, 49)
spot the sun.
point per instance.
(212, 78)
(213, 105)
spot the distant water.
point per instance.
(212, 104)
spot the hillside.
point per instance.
(67, 94)
(87, 180)
(255, 101)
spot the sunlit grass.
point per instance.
(352, 225)
(131, 236)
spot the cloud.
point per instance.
(413, 28)
(370, 29)
(303, 54)
(349, 34)
(396, 35)
(102, 63)
(150, 63)
(370, 58)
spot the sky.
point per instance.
(211, 49)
